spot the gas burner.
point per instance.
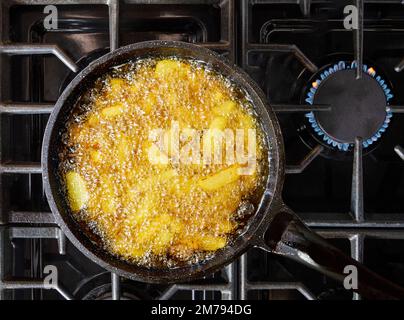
(359, 107)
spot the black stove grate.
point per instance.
(263, 37)
(25, 231)
(287, 28)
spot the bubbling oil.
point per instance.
(166, 214)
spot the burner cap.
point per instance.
(359, 107)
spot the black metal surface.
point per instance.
(358, 38)
(323, 193)
(358, 106)
(25, 82)
(288, 236)
(322, 190)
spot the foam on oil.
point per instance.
(157, 215)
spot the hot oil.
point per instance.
(165, 214)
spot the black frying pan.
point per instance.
(273, 228)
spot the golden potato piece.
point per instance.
(146, 207)
(168, 174)
(162, 242)
(122, 246)
(158, 234)
(224, 226)
(211, 243)
(93, 120)
(246, 121)
(108, 204)
(220, 179)
(218, 123)
(156, 156)
(149, 102)
(123, 149)
(108, 200)
(76, 191)
(225, 109)
(166, 229)
(96, 156)
(137, 252)
(116, 85)
(113, 111)
(214, 133)
(168, 68)
(217, 95)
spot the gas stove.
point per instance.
(348, 189)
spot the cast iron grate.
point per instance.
(24, 114)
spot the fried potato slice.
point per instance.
(220, 179)
(108, 199)
(159, 233)
(218, 123)
(112, 111)
(116, 86)
(123, 149)
(156, 156)
(96, 156)
(149, 102)
(211, 243)
(146, 207)
(76, 191)
(93, 120)
(225, 109)
(171, 68)
(246, 121)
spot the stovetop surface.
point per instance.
(283, 45)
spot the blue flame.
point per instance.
(341, 65)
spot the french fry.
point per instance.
(108, 200)
(93, 120)
(167, 68)
(149, 103)
(145, 208)
(224, 226)
(225, 109)
(217, 95)
(123, 149)
(220, 179)
(246, 121)
(116, 85)
(76, 190)
(218, 123)
(159, 233)
(113, 111)
(211, 243)
(96, 156)
(163, 237)
(156, 156)
(125, 248)
(108, 205)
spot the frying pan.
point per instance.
(273, 227)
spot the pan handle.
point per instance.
(288, 236)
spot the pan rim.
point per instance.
(230, 253)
